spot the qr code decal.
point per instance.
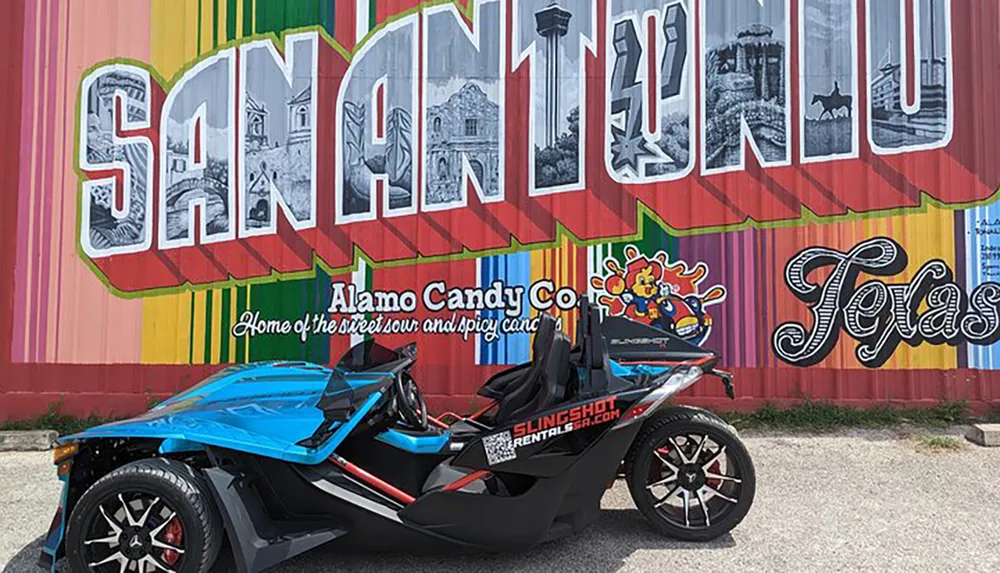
(499, 448)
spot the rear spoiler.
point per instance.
(627, 341)
(631, 341)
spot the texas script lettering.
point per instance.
(932, 308)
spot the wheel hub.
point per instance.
(135, 542)
(691, 477)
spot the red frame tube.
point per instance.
(482, 411)
(698, 362)
(370, 479)
(437, 422)
(466, 480)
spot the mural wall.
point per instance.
(807, 186)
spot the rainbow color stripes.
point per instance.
(61, 313)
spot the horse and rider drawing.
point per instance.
(833, 102)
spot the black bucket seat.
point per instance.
(523, 389)
(554, 380)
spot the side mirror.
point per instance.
(408, 350)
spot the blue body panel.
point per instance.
(53, 541)
(630, 370)
(416, 444)
(262, 409)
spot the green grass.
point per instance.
(938, 444)
(811, 415)
(55, 419)
(63, 424)
(993, 417)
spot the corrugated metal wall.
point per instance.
(807, 185)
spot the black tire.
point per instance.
(174, 486)
(685, 408)
(657, 433)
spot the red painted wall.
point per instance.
(103, 309)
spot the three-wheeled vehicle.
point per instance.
(273, 459)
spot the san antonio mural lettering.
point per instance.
(273, 155)
(932, 308)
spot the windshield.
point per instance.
(367, 355)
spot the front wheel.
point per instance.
(690, 476)
(151, 515)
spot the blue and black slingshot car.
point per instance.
(266, 461)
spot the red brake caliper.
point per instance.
(174, 536)
(715, 470)
(654, 472)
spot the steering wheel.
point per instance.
(410, 402)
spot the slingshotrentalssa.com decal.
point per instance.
(502, 447)
(932, 308)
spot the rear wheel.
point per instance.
(148, 516)
(690, 476)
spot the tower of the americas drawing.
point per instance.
(552, 24)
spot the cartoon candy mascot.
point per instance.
(659, 294)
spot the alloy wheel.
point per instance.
(134, 532)
(692, 481)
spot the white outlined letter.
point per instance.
(106, 229)
(463, 110)
(197, 151)
(895, 124)
(277, 118)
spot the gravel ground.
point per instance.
(852, 501)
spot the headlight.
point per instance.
(63, 452)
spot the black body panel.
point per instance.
(397, 467)
(375, 524)
(495, 522)
(550, 508)
(552, 456)
(274, 510)
(258, 541)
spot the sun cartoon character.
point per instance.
(667, 296)
(635, 290)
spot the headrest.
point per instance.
(557, 367)
(583, 324)
(544, 335)
(595, 339)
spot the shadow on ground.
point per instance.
(604, 546)
(26, 559)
